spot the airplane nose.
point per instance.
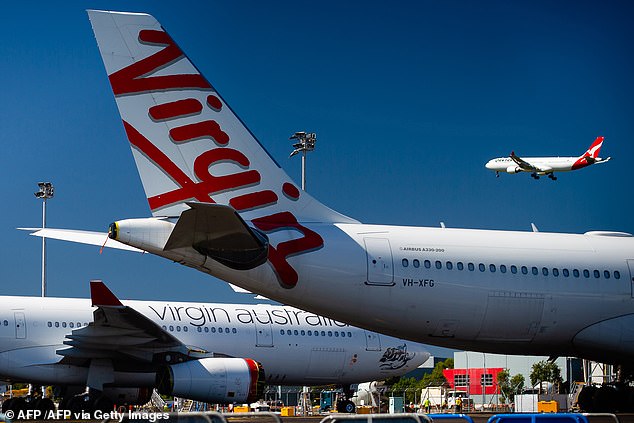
(489, 165)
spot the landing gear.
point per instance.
(497, 174)
(88, 403)
(552, 176)
(534, 175)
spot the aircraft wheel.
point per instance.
(45, 405)
(605, 399)
(103, 403)
(585, 399)
(78, 403)
(6, 404)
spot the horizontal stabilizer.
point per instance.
(219, 232)
(81, 237)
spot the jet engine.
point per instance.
(213, 380)
(513, 169)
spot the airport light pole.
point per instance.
(305, 143)
(46, 191)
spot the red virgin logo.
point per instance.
(138, 78)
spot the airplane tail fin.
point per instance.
(593, 151)
(188, 144)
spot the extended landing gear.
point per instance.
(497, 174)
(534, 175)
(18, 405)
(608, 398)
(87, 403)
(552, 176)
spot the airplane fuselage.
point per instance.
(553, 164)
(295, 347)
(503, 291)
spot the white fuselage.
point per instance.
(295, 347)
(551, 164)
(527, 292)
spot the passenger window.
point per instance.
(349, 334)
(310, 333)
(555, 272)
(427, 264)
(185, 328)
(213, 330)
(329, 333)
(234, 330)
(416, 263)
(63, 324)
(471, 267)
(295, 332)
(586, 273)
(343, 334)
(459, 265)
(303, 332)
(438, 264)
(513, 269)
(336, 334)
(544, 271)
(606, 274)
(171, 328)
(597, 274)
(206, 329)
(71, 324)
(405, 262)
(492, 268)
(199, 329)
(534, 270)
(502, 268)
(524, 270)
(481, 267)
(50, 324)
(7, 323)
(219, 330)
(323, 333)
(575, 273)
(617, 274)
(565, 272)
(449, 265)
(178, 328)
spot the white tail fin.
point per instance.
(187, 142)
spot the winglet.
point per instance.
(102, 296)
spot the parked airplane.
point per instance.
(193, 350)
(223, 206)
(547, 165)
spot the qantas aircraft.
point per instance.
(222, 205)
(547, 165)
(193, 350)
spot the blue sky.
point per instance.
(408, 99)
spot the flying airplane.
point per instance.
(122, 349)
(547, 165)
(222, 205)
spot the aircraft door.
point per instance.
(20, 325)
(263, 331)
(630, 265)
(380, 265)
(372, 341)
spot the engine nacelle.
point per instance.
(133, 396)
(213, 380)
(513, 169)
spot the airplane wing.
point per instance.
(81, 237)
(526, 166)
(119, 332)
